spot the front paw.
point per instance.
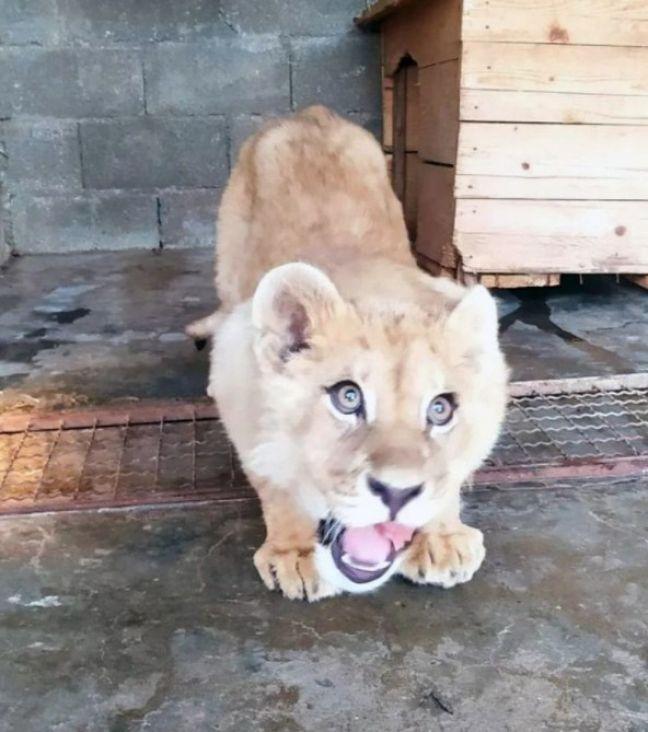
(446, 559)
(293, 572)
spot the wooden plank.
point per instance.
(513, 281)
(388, 113)
(552, 161)
(389, 160)
(599, 22)
(552, 236)
(547, 68)
(427, 32)
(436, 215)
(439, 112)
(400, 110)
(411, 195)
(412, 115)
(492, 105)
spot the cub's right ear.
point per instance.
(289, 305)
(471, 330)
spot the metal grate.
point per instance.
(117, 457)
(179, 452)
(591, 433)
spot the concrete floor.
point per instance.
(157, 621)
(85, 329)
(96, 327)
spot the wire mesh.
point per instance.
(116, 458)
(181, 453)
(545, 428)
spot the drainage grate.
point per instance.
(179, 452)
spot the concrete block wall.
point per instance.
(4, 226)
(120, 119)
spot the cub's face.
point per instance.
(373, 416)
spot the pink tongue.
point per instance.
(398, 534)
(373, 544)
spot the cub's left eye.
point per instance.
(346, 397)
(441, 410)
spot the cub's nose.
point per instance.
(393, 498)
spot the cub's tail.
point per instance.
(205, 328)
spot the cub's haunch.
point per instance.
(360, 393)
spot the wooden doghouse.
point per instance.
(518, 133)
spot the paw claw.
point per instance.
(446, 559)
(293, 572)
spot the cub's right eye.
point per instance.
(347, 398)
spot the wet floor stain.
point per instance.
(36, 333)
(65, 317)
(17, 357)
(120, 321)
(24, 351)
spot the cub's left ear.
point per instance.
(289, 305)
(473, 323)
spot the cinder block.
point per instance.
(4, 247)
(244, 74)
(43, 154)
(87, 222)
(23, 22)
(141, 21)
(299, 17)
(189, 217)
(5, 221)
(5, 251)
(79, 82)
(150, 152)
(342, 72)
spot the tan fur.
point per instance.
(314, 188)
(295, 194)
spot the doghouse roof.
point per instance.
(379, 10)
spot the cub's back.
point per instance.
(312, 187)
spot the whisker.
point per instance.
(328, 530)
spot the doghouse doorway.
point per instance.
(405, 116)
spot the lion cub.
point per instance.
(360, 393)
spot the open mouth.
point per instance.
(364, 554)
